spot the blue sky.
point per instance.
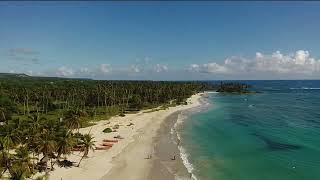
(161, 40)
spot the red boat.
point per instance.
(109, 140)
(103, 148)
(107, 144)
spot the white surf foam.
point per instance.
(175, 130)
(307, 88)
(183, 154)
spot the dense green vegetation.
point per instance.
(89, 98)
(234, 88)
(40, 117)
(107, 130)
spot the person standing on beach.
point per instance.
(173, 157)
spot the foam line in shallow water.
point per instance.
(183, 154)
(306, 88)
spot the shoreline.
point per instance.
(127, 158)
(168, 163)
(171, 160)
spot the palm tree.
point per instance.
(23, 159)
(34, 134)
(17, 172)
(1, 170)
(4, 158)
(18, 165)
(87, 144)
(3, 114)
(8, 137)
(73, 120)
(65, 141)
(46, 145)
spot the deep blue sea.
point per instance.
(272, 135)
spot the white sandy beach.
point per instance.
(126, 159)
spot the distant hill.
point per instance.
(25, 76)
(10, 75)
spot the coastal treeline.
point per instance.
(233, 87)
(40, 118)
(98, 97)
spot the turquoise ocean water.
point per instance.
(273, 135)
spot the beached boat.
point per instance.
(109, 140)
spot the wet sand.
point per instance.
(167, 163)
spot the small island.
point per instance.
(235, 87)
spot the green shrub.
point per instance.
(107, 130)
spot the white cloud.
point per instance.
(259, 55)
(212, 67)
(84, 70)
(135, 69)
(30, 73)
(105, 68)
(299, 63)
(194, 68)
(64, 71)
(301, 57)
(160, 68)
(40, 74)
